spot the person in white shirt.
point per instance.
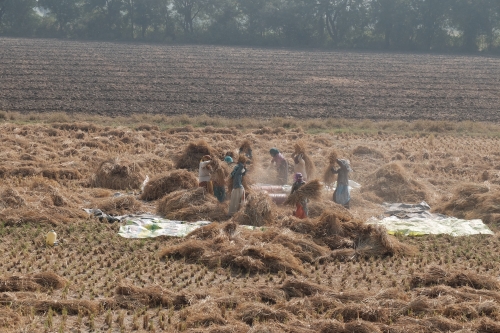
(204, 174)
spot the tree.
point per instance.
(397, 21)
(342, 17)
(225, 21)
(188, 11)
(64, 11)
(473, 19)
(17, 17)
(106, 17)
(432, 16)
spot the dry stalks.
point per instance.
(392, 183)
(472, 201)
(176, 180)
(119, 205)
(258, 211)
(309, 191)
(117, 175)
(190, 158)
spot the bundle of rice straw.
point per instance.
(392, 183)
(472, 201)
(190, 158)
(329, 177)
(164, 184)
(219, 172)
(300, 148)
(246, 146)
(9, 318)
(119, 205)
(310, 190)
(259, 210)
(191, 205)
(117, 175)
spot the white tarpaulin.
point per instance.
(416, 220)
(148, 226)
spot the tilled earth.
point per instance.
(115, 79)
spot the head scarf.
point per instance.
(346, 164)
(228, 159)
(274, 152)
(297, 176)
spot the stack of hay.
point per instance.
(333, 236)
(192, 205)
(117, 175)
(472, 201)
(190, 158)
(329, 177)
(391, 183)
(168, 183)
(300, 148)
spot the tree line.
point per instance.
(406, 25)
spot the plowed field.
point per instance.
(121, 79)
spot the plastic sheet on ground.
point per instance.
(416, 220)
(272, 188)
(149, 226)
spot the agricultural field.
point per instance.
(121, 79)
(329, 273)
(82, 125)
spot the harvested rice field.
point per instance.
(329, 273)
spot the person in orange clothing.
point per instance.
(301, 210)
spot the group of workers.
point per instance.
(217, 186)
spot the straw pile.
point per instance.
(129, 296)
(245, 147)
(437, 276)
(9, 318)
(192, 205)
(472, 201)
(363, 150)
(203, 314)
(164, 184)
(259, 210)
(392, 183)
(348, 238)
(39, 281)
(119, 205)
(329, 177)
(300, 148)
(117, 175)
(254, 312)
(281, 249)
(251, 251)
(9, 197)
(311, 190)
(71, 306)
(219, 172)
(190, 158)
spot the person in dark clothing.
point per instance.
(238, 192)
(342, 195)
(281, 166)
(301, 210)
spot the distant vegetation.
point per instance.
(404, 25)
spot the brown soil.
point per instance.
(121, 79)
